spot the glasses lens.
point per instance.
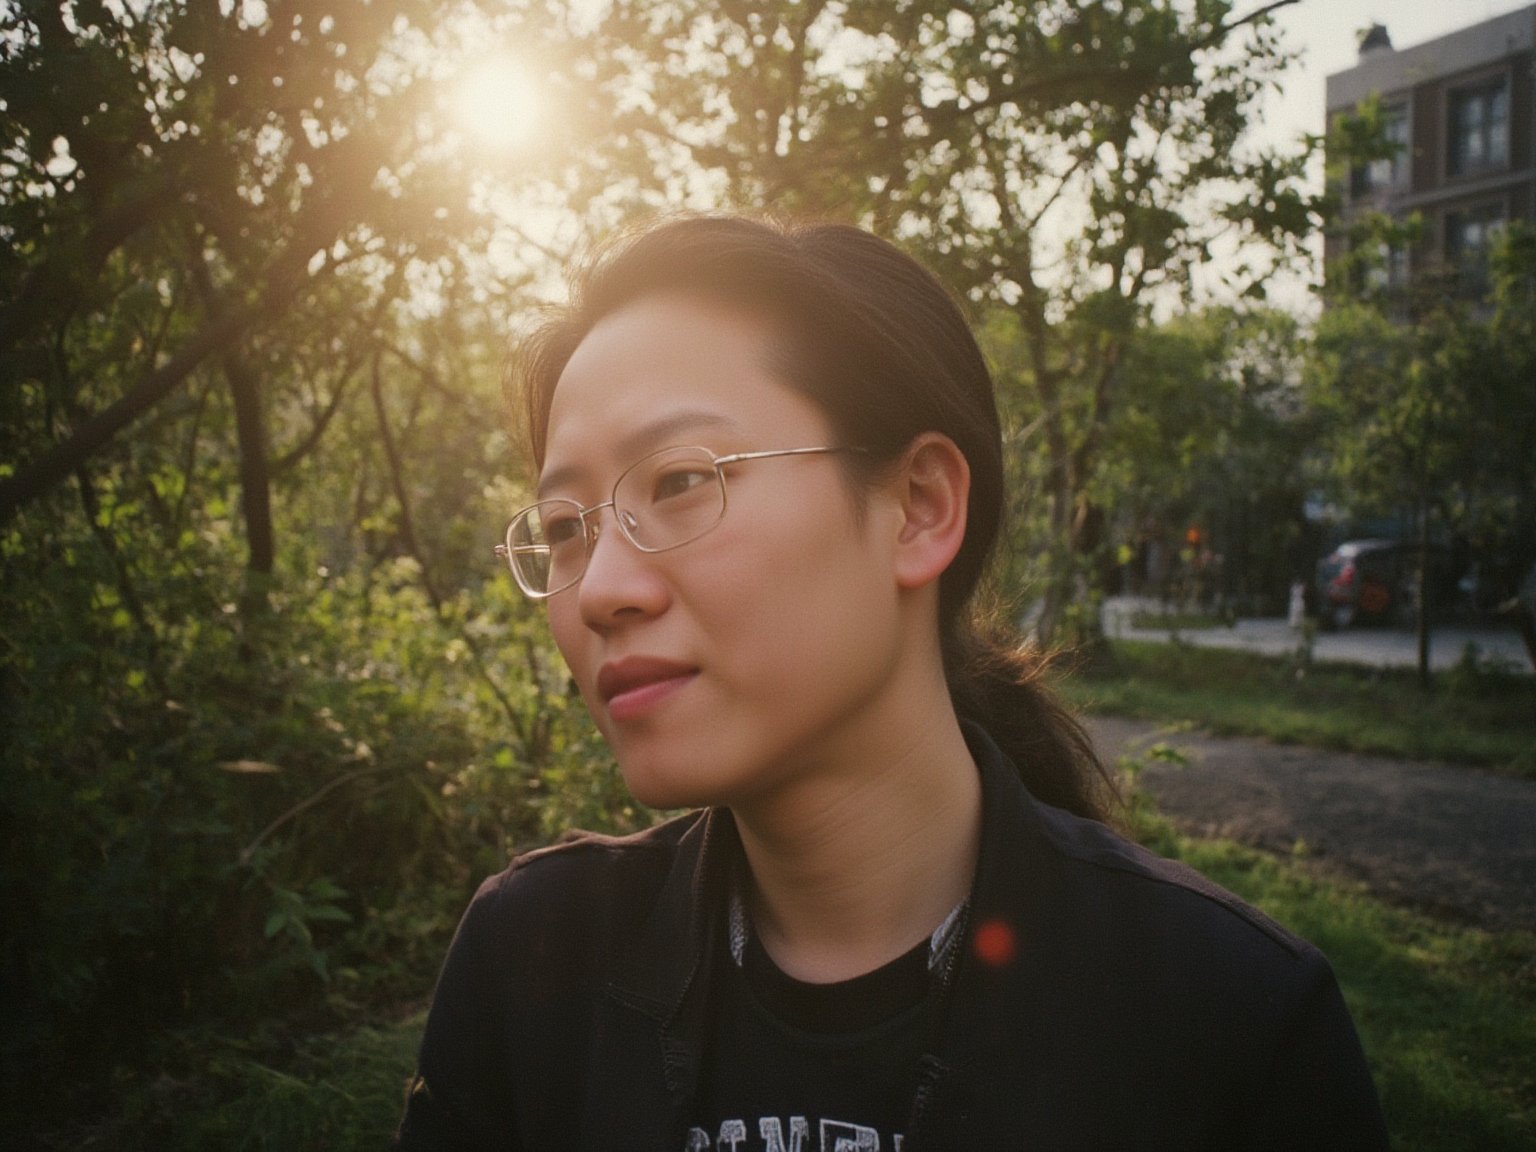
(669, 498)
(547, 547)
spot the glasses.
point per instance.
(663, 501)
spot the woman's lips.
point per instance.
(637, 684)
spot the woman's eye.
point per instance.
(676, 481)
(562, 529)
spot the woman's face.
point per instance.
(755, 654)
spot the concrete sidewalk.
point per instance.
(1381, 647)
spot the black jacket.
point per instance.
(1141, 1006)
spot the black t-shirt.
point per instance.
(797, 1067)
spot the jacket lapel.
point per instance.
(649, 1024)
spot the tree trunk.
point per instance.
(1421, 609)
(255, 464)
(1062, 571)
(255, 485)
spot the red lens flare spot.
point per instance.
(994, 943)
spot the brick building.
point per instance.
(1460, 109)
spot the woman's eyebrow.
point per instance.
(648, 437)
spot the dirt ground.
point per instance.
(1457, 842)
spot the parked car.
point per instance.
(1376, 581)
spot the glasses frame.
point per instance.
(591, 526)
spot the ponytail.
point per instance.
(1001, 686)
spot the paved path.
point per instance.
(1458, 842)
(1374, 646)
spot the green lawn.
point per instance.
(1471, 717)
(1179, 621)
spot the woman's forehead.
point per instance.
(670, 334)
(669, 370)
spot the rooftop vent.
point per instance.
(1374, 40)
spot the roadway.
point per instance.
(1381, 647)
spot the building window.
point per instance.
(1391, 272)
(1386, 172)
(1468, 237)
(1479, 128)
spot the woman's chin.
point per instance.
(662, 791)
(672, 779)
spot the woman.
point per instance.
(770, 476)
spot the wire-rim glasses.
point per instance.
(662, 501)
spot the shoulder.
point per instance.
(584, 882)
(591, 857)
(516, 993)
(546, 928)
(1087, 895)
(1214, 984)
(1093, 856)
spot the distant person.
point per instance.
(770, 476)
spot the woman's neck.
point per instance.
(851, 868)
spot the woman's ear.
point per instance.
(933, 487)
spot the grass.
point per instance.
(1178, 621)
(1485, 718)
(1447, 1014)
(331, 1092)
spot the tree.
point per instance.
(1418, 389)
(1213, 434)
(216, 169)
(1068, 163)
(248, 426)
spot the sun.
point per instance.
(497, 103)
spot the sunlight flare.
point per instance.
(497, 103)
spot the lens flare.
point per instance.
(994, 943)
(498, 104)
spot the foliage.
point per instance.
(1213, 435)
(219, 166)
(271, 711)
(331, 1091)
(1417, 415)
(1415, 384)
(212, 836)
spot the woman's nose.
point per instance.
(621, 582)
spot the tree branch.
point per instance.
(1220, 32)
(282, 281)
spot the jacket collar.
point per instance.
(995, 973)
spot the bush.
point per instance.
(233, 816)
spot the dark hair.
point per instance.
(876, 341)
